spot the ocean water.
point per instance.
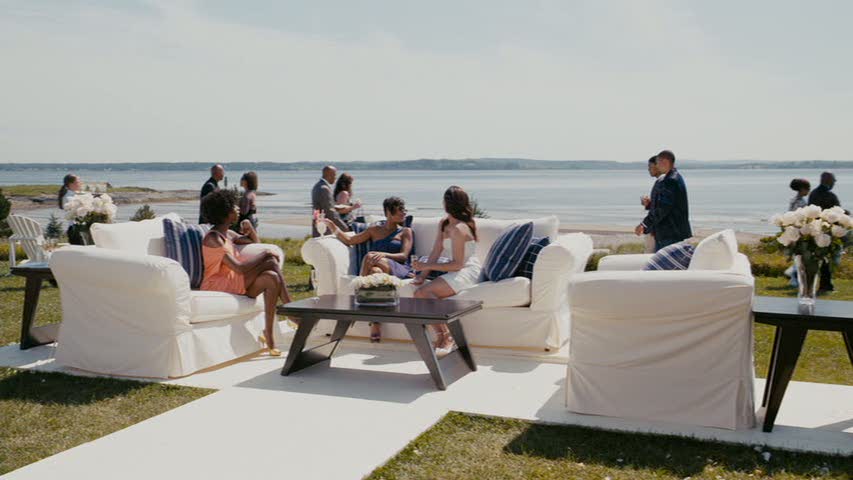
(740, 199)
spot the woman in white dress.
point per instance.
(71, 184)
(457, 240)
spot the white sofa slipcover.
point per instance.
(671, 346)
(517, 313)
(128, 312)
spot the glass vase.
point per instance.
(808, 275)
(79, 234)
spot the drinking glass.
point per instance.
(321, 227)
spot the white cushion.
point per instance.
(716, 252)
(510, 292)
(207, 306)
(144, 238)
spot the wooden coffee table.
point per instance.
(792, 323)
(415, 313)
(36, 274)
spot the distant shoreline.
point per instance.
(439, 164)
(121, 196)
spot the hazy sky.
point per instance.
(317, 80)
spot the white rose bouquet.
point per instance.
(378, 289)
(376, 280)
(86, 209)
(812, 236)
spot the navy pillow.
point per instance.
(529, 259)
(507, 252)
(674, 257)
(183, 244)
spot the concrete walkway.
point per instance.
(344, 420)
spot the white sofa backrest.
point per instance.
(488, 230)
(144, 238)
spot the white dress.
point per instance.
(468, 276)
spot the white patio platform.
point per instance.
(342, 421)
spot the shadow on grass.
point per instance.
(675, 455)
(60, 389)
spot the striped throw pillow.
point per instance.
(536, 246)
(673, 257)
(507, 252)
(183, 244)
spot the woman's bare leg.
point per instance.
(266, 283)
(438, 289)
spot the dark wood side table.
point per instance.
(415, 313)
(793, 322)
(36, 274)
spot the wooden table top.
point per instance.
(832, 315)
(414, 308)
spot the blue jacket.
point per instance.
(669, 216)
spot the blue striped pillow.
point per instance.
(673, 257)
(183, 244)
(507, 252)
(536, 246)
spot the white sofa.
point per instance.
(517, 312)
(670, 346)
(129, 310)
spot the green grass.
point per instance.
(45, 413)
(464, 446)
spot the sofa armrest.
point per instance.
(254, 249)
(556, 264)
(330, 258)
(634, 261)
(105, 290)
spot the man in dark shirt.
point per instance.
(669, 215)
(217, 173)
(823, 197)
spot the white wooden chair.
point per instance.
(30, 235)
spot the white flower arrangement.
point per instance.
(376, 280)
(86, 209)
(818, 235)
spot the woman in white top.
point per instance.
(457, 240)
(71, 184)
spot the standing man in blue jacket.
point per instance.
(669, 217)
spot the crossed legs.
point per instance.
(267, 279)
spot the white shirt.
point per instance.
(68, 196)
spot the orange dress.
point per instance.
(218, 276)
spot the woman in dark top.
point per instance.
(248, 209)
(392, 245)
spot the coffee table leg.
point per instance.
(786, 352)
(770, 367)
(421, 338)
(462, 344)
(31, 302)
(293, 362)
(848, 342)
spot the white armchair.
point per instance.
(663, 345)
(126, 311)
(517, 312)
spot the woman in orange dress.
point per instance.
(226, 271)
